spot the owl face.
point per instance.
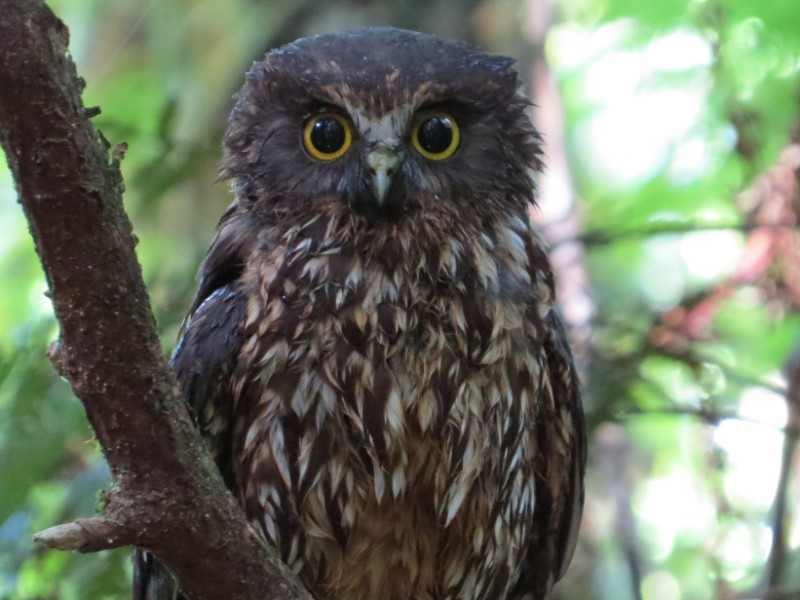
(385, 122)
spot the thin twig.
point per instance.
(603, 237)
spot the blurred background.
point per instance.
(671, 201)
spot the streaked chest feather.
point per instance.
(387, 411)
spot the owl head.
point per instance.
(386, 123)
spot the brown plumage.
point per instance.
(374, 354)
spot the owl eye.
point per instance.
(327, 136)
(436, 136)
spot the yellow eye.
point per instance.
(436, 136)
(327, 136)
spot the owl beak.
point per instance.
(382, 163)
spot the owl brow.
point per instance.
(314, 106)
(462, 111)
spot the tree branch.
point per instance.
(781, 517)
(168, 495)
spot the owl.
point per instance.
(373, 355)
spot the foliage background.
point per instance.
(671, 199)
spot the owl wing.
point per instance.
(204, 358)
(561, 443)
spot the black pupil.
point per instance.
(327, 135)
(435, 135)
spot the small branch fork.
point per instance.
(168, 496)
(84, 535)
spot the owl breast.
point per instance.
(385, 412)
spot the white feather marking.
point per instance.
(520, 224)
(249, 345)
(515, 460)
(545, 296)
(279, 455)
(398, 481)
(354, 276)
(379, 484)
(389, 290)
(266, 373)
(349, 515)
(313, 528)
(360, 318)
(254, 308)
(467, 589)
(456, 500)
(486, 267)
(454, 573)
(272, 533)
(300, 403)
(335, 468)
(275, 496)
(498, 531)
(494, 396)
(328, 396)
(426, 409)
(469, 451)
(320, 415)
(395, 416)
(316, 268)
(477, 539)
(457, 318)
(514, 244)
(304, 455)
(263, 493)
(341, 296)
(524, 406)
(294, 547)
(386, 130)
(451, 257)
(299, 248)
(278, 352)
(253, 432)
